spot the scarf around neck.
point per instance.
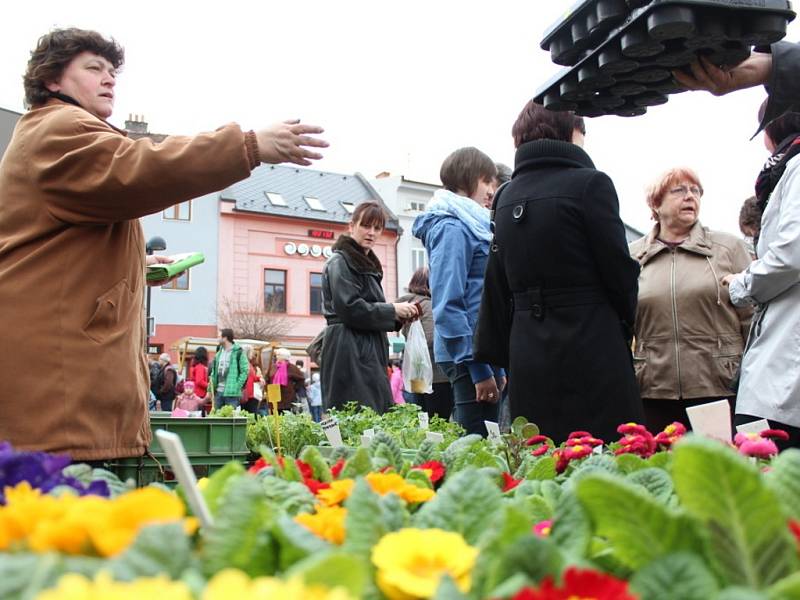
(773, 169)
(281, 375)
(475, 217)
(358, 260)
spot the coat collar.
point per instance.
(542, 153)
(63, 99)
(698, 242)
(353, 254)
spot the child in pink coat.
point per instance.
(396, 383)
(188, 400)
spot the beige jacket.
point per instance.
(72, 256)
(688, 337)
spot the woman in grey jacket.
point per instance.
(770, 380)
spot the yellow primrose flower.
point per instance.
(410, 563)
(231, 584)
(202, 483)
(103, 587)
(338, 492)
(385, 483)
(327, 523)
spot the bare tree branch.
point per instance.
(249, 320)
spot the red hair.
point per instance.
(659, 188)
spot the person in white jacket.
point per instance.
(769, 387)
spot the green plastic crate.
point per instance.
(146, 470)
(202, 436)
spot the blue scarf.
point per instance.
(472, 215)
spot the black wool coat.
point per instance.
(355, 349)
(559, 297)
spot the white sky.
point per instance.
(397, 85)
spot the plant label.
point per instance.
(274, 393)
(423, 419)
(753, 427)
(366, 440)
(434, 436)
(712, 419)
(176, 454)
(493, 429)
(331, 428)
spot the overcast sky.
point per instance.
(397, 85)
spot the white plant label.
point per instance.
(423, 419)
(493, 429)
(176, 454)
(331, 428)
(753, 427)
(435, 437)
(712, 419)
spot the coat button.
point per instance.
(536, 309)
(519, 210)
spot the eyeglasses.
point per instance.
(683, 191)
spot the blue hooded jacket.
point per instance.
(455, 232)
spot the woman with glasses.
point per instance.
(688, 336)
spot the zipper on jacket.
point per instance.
(716, 280)
(675, 324)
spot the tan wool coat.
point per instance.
(688, 336)
(72, 262)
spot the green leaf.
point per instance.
(462, 505)
(458, 448)
(157, 549)
(448, 590)
(681, 576)
(115, 485)
(740, 593)
(24, 575)
(80, 471)
(784, 480)
(290, 496)
(537, 508)
(358, 464)
(394, 514)
(295, 542)
(427, 451)
(787, 588)
(240, 537)
(363, 523)
(334, 569)
(571, 530)
(660, 460)
(528, 555)
(543, 469)
(385, 447)
(656, 481)
(639, 528)
(418, 478)
(551, 492)
(217, 482)
(517, 424)
(628, 463)
(320, 468)
(529, 430)
(749, 542)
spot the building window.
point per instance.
(314, 203)
(417, 258)
(315, 294)
(275, 199)
(179, 212)
(274, 290)
(179, 283)
(416, 206)
(348, 206)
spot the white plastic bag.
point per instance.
(417, 367)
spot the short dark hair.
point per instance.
(201, 355)
(368, 214)
(780, 129)
(299, 363)
(503, 173)
(227, 333)
(750, 217)
(535, 122)
(464, 168)
(419, 282)
(55, 50)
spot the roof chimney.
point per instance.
(136, 124)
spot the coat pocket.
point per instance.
(726, 362)
(112, 314)
(640, 367)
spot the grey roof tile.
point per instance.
(294, 183)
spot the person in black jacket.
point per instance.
(559, 297)
(355, 350)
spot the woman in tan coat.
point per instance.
(72, 255)
(688, 336)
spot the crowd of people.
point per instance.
(532, 294)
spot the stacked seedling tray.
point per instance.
(621, 53)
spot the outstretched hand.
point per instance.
(289, 142)
(160, 259)
(756, 70)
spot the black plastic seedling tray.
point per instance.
(621, 53)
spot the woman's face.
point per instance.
(90, 79)
(365, 235)
(680, 206)
(484, 192)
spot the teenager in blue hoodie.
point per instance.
(456, 234)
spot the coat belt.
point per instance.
(537, 299)
(333, 320)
